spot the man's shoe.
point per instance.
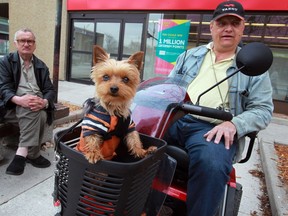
(39, 162)
(17, 166)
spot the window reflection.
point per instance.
(151, 43)
(82, 44)
(83, 35)
(81, 66)
(108, 36)
(4, 36)
(132, 38)
(278, 74)
(4, 46)
(253, 28)
(276, 30)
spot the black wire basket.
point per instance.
(117, 187)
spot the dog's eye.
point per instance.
(105, 78)
(125, 79)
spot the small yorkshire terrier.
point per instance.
(107, 120)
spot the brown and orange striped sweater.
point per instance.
(112, 128)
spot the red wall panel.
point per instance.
(258, 5)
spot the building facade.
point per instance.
(125, 26)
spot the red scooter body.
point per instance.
(158, 104)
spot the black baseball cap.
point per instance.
(229, 8)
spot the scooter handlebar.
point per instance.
(207, 112)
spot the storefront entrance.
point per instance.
(120, 35)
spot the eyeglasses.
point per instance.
(23, 41)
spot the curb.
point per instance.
(277, 196)
(280, 121)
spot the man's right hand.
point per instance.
(226, 129)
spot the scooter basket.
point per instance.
(108, 187)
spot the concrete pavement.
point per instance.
(30, 193)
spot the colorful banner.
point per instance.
(172, 41)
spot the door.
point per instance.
(119, 34)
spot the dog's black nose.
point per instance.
(114, 89)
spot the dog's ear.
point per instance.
(137, 59)
(99, 54)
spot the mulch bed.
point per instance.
(71, 106)
(282, 163)
(282, 153)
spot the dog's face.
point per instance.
(115, 81)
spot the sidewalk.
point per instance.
(30, 193)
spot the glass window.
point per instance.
(81, 66)
(204, 30)
(195, 28)
(4, 47)
(276, 36)
(151, 43)
(178, 38)
(254, 28)
(4, 36)
(108, 36)
(120, 35)
(82, 44)
(198, 33)
(132, 38)
(279, 74)
(83, 36)
(276, 30)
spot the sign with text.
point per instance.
(172, 41)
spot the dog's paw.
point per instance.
(151, 149)
(141, 153)
(93, 157)
(138, 152)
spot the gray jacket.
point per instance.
(250, 98)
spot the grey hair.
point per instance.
(23, 30)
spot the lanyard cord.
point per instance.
(223, 100)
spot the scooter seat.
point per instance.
(180, 155)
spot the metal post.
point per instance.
(57, 40)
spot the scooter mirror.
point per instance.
(255, 58)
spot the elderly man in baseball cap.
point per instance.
(214, 145)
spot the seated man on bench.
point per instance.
(27, 94)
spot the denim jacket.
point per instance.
(250, 98)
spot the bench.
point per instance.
(7, 129)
